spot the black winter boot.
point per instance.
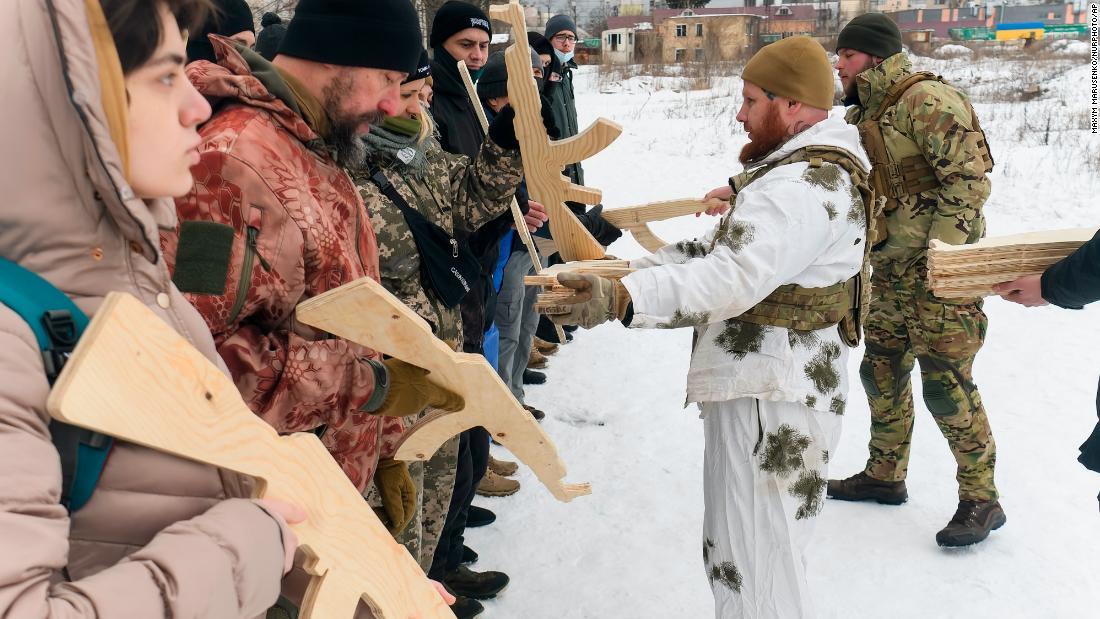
(972, 522)
(476, 585)
(468, 555)
(863, 487)
(479, 517)
(533, 377)
(466, 608)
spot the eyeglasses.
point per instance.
(565, 38)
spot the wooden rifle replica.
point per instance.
(962, 271)
(635, 219)
(365, 313)
(544, 159)
(134, 377)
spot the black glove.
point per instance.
(602, 230)
(548, 119)
(503, 129)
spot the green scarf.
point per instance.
(395, 140)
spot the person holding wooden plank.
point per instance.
(274, 218)
(417, 194)
(1071, 283)
(931, 162)
(772, 293)
(101, 132)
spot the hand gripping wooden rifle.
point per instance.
(543, 159)
(134, 377)
(365, 313)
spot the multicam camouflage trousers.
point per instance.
(435, 481)
(765, 466)
(906, 324)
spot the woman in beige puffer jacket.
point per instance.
(161, 536)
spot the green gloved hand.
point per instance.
(398, 493)
(408, 391)
(595, 301)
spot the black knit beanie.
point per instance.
(540, 44)
(269, 39)
(423, 68)
(454, 17)
(558, 23)
(493, 81)
(871, 33)
(380, 34)
(228, 18)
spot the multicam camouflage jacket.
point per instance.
(795, 224)
(936, 121)
(452, 191)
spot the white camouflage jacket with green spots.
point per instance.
(793, 225)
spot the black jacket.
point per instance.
(460, 133)
(1073, 283)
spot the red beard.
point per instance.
(766, 137)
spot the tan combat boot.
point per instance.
(544, 347)
(502, 467)
(495, 485)
(536, 360)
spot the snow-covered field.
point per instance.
(615, 400)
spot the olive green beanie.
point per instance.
(795, 68)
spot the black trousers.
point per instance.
(473, 461)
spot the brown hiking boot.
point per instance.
(495, 485)
(544, 347)
(502, 467)
(536, 413)
(536, 360)
(972, 522)
(863, 487)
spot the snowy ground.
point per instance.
(615, 402)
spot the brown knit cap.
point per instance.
(795, 68)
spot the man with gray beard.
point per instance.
(273, 219)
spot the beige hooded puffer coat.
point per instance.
(159, 537)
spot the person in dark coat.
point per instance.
(1071, 283)
(461, 31)
(269, 39)
(231, 19)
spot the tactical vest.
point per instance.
(808, 309)
(902, 169)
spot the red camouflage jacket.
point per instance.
(299, 229)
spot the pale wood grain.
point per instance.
(135, 378)
(364, 312)
(961, 271)
(635, 219)
(544, 159)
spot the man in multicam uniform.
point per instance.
(448, 190)
(765, 291)
(930, 161)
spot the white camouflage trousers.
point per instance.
(765, 470)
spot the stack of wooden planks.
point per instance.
(959, 271)
(553, 293)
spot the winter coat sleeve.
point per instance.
(482, 189)
(1074, 281)
(226, 562)
(296, 380)
(941, 125)
(760, 245)
(677, 253)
